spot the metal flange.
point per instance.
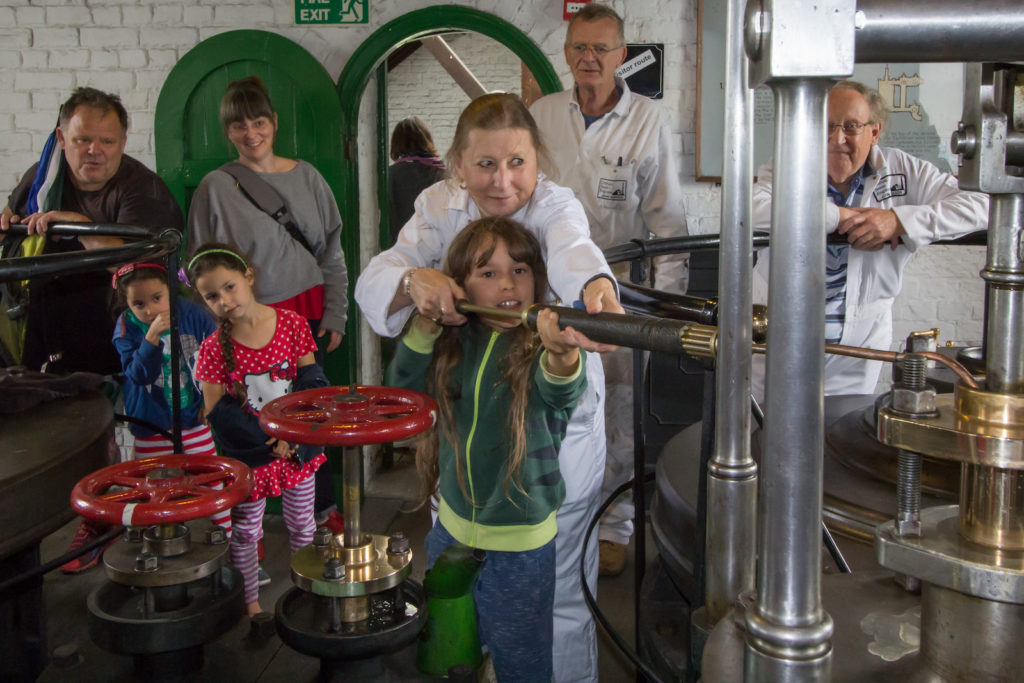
(971, 427)
(940, 556)
(121, 561)
(368, 568)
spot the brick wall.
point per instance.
(48, 47)
(420, 86)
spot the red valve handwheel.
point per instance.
(151, 491)
(348, 416)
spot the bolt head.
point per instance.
(146, 562)
(398, 543)
(334, 570)
(916, 401)
(322, 537)
(908, 527)
(216, 535)
(132, 534)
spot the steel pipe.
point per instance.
(352, 479)
(939, 31)
(732, 472)
(149, 246)
(789, 633)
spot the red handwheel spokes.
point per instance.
(348, 416)
(162, 490)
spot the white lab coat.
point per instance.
(622, 168)
(557, 220)
(930, 206)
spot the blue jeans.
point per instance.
(514, 597)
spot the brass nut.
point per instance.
(914, 401)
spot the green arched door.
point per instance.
(190, 142)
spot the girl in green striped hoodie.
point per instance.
(505, 395)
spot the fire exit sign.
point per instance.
(332, 11)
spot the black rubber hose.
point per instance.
(8, 587)
(599, 617)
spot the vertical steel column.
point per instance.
(992, 499)
(351, 469)
(732, 473)
(789, 633)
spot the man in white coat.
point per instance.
(887, 203)
(613, 148)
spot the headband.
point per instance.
(216, 251)
(124, 270)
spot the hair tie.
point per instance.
(217, 251)
(124, 270)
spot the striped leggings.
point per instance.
(194, 441)
(247, 518)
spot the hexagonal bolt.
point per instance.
(913, 394)
(146, 562)
(132, 534)
(322, 537)
(398, 543)
(216, 535)
(334, 570)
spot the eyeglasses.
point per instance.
(580, 49)
(851, 129)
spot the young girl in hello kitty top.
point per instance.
(258, 354)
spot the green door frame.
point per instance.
(370, 55)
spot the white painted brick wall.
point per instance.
(48, 47)
(420, 86)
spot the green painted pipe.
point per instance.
(450, 636)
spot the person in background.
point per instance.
(416, 167)
(83, 175)
(495, 471)
(90, 179)
(301, 271)
(613, 147)
(494, 165)
(887, 204)
(257, 354)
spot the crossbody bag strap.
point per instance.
(267, 199)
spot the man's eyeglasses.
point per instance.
(851, 129)
(580, 49)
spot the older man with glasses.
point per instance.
(886, 203)
(614, 149)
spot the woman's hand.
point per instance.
(434, 294)
(599, 297)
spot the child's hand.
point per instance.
(281, 449)
(563, 353)
(425, 324)
(161, 323)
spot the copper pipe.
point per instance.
(893, 357)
